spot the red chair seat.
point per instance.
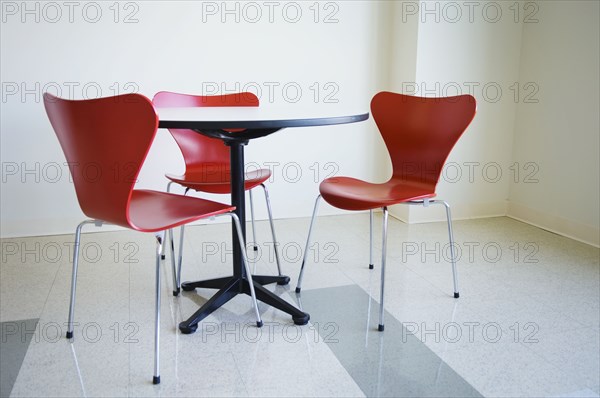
(215, 178)
(353, 194)
(153, 211)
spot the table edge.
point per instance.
(261, 124)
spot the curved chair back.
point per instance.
(196, 148)
(105, 142)
(420, 132)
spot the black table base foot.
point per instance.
(217, 283)
(188, 329)
(301, 320)
(268, 279)
(262, 294)
(232, 286)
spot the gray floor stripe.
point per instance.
(14, 342)
(393, 363)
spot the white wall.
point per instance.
(439, 48)
(464, 49)
(557, 141)
(190, 47)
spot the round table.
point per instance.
(256, 122)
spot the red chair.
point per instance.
(419, 134)
(112, 136)
(207, 167)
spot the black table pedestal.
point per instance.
(231, 286)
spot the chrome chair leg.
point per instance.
(371, 266)
(176, 273)
(180, 259)
(312, 222)
(162, 254)
(426, 203)
(383, 255)
(452, 251)
(175, 284)
(74, 276)
(275, 246)
(160, 239)
(238, 228)
(255, 246)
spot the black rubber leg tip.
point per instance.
(371, 266)
(298, 290)
(302, 320)
(187, 288)
(69, 335)
(255, 248)
(456, 295)
(155, 379)
(284, 281)
(259, 324)
(162, 257)
(188, 329)
(380, 328)
(176, 292)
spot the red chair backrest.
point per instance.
(196, 148)
(420, 132)
(105, 142)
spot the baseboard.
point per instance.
(434, 213)
(572, 229)
(409, 214)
